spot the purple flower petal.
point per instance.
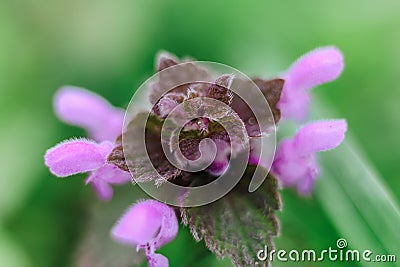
(90, 111)
(106, 175)
(102, 189)
(294, 104)
(157, 260)
(146, 223)
(288, 166)
(305, 187)
(319, 66)
(76, 156)
(295, 162)
(110, 174)
(169, 224)
(320, 136)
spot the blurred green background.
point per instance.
(109, 47)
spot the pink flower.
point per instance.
(90, 111)
(295, 162)
(319, 66)
(81, 155)
(147, 225)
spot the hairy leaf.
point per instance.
(132, 156)
(178, 78)
(271, 89)
(117, 156)
(239, 224)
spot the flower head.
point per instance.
(147, 225)
(295, 162)
(188, 95)
(319, 66)
(211, 124)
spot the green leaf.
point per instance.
(369, 216)
(358, 202)
(10, 252)
(240, 223)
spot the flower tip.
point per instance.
(320, 136)
(65, 97)
(339, 125)
(332, 62)
(319, 66)
(80, 107)
(75, 156)
(338, 130)
(138, 225)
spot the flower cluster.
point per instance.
(150, 224)
(295, 162)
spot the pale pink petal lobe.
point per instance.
(112, 174)
(320, 136)
(139, 225)
(169, 224)
(75, 156)
(90, 111)
(148, 225)
(157, 260)
(319, 66)
(295, 163)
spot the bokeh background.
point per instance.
(109, 47)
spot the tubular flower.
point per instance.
(200, 126)
(81, 155)
(103, 122)
(80, 107)
(295, 162)
(147, 225)
(319, 66)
